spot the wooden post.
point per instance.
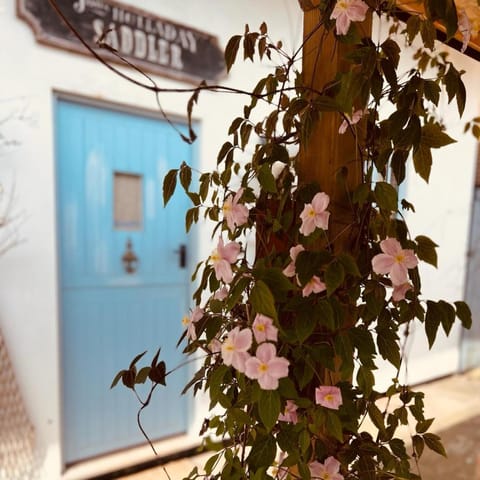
(329, 158)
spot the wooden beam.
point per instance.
(327, 157)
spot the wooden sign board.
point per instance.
(417, 7)
(152, 43)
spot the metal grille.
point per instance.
(17, 436)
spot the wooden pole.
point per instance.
(328, 158)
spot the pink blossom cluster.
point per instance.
(351, 120)
(315, 215)
(325, 395)
(234, 212)
(314, 285)
(347, 11)
(328, 470)
(189, 322)
(265, 366)
(396, 262)
(222, 259)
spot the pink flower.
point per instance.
(394, 260)
(355, 118)
(235, 346)
(314, 215)
(328, 397)
(222, 258)
(189, 322)
(266, 367)
(465, 28)
(290, 413)
(263, 329)
(399, 291)
(289, 270)
(215, 346)
(221, 294)
(326, 471)
(346, 12)
(314, 285)
(234, 213)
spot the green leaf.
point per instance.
(136, 359)
(263, 451)
(262, 300)
(388, 347)
(365, 380)
(269, 408)
(426, 250)
(158, 373)
(231, 51)
(386, 196)
(433, 443)
(418, 445)
(211, 462)
(361, 194)
(185, 176)
(334, 426)
(226, 148)
(326, 314)
(266, 179)
(308, 264)
(334, 276)
(276, 281)
(432, 322)
(349, 264)
(413, 27)
(117, 378)
(128, 377)
(422, 161)
(398, 448)
(169, 184)
(142, 375)
(376, 417)
(191, 217)
(304, 325)
(464, 314)
(392, 51)
(424, 425)
(448, 316)
(434, 137)
(432, 91)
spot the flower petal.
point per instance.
(382, 263)
(391, 246)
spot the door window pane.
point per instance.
(127, 201)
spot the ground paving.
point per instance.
(455, 404)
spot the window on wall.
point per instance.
(127, 201)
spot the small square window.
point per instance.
(127, 201)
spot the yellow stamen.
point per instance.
(263, 367)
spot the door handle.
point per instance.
(182, 255)
(129, 259)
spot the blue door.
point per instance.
(123, 288)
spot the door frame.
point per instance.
(184, 442)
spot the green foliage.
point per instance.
(334, 315)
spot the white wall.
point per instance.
(31, 73)
(28, 274)
(443, 212)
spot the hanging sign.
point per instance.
(152, 43)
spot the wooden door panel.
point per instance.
(109, 315)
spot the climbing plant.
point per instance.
(289, 335)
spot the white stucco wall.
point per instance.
(443, 212)
(31, 73)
